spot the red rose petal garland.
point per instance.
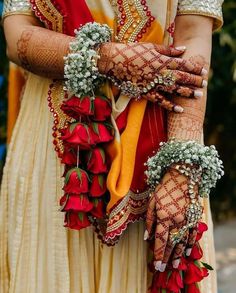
(190, 272)
(86, 163)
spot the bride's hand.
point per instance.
(141, 63)
(165, 215)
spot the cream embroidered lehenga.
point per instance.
(37, 254)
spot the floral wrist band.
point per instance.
(80, 69)
(187, 152)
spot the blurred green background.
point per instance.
(220, 120)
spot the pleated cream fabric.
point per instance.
(37, 254)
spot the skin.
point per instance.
(35, 48)
(140, 63)
(195, 32)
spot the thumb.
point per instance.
(170, 51)
(176, 51)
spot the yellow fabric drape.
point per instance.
(16, 82)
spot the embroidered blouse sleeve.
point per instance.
(211, 8)
(16, 7)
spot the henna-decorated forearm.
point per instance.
(41, 51)
(188, 125)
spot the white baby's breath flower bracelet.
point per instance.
(80, 69)
(202, 166)
(190, 153)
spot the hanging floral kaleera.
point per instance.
(190, 272)
(85, 173)
(86, 162)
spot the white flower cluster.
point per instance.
(80, 70)
(191, 153)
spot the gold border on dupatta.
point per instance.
(46, 9)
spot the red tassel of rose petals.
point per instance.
(101, 133)
(76, 203)
(84, 187)
(102, 102)
(76, 220)
(98, 210)
(96, 161)
(75, 108)
(69, 156)
(193, 288)
(78, 133)
(76, 182)
(98, 185)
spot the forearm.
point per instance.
(195, 33)
(35, 48)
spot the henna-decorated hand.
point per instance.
(140, 63)
(165, 215)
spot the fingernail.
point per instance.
(157, 265)
(204, 83)
(163, 267)
(146, 235)
(188, 251)
(176, 263)
(180, 48)
(198, 94)
(178, 109)
(204, 71)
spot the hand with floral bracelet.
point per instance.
(179, 175)
(175, 207)
(167, 207)
(149, 71)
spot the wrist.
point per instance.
(104, 52)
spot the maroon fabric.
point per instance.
(75, 12)
(153, 131)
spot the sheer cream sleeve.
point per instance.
(211, 8)
(16, 7)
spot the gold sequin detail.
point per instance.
(56, 96)
(45, 9)
(133, 19)
(16, 7)
(211, 8)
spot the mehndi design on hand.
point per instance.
(139, 68)
(165, 215)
